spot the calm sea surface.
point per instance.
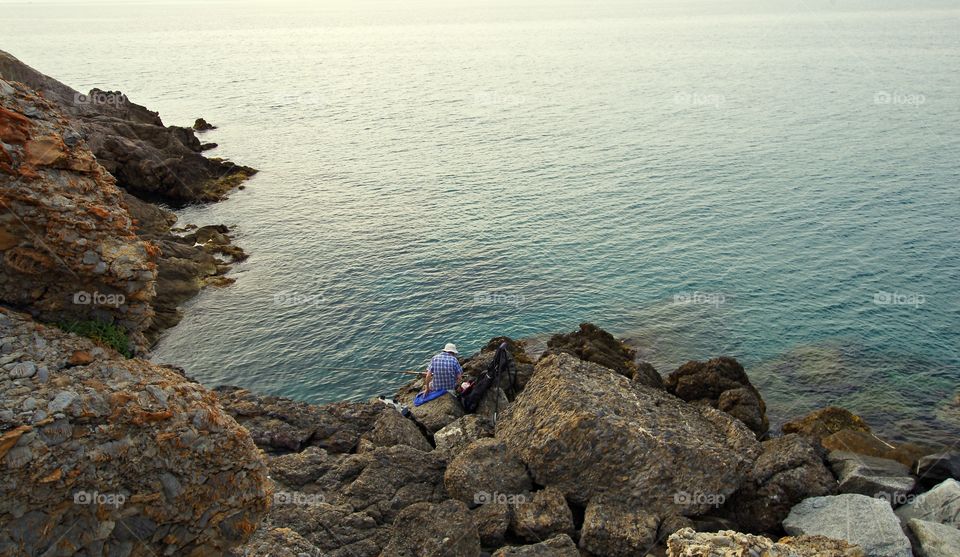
(777, 181)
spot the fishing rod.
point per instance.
(375, 369)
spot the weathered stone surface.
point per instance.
(131, 142)
(280, 425)
(455, 436)
(557, 546)
(722, 384)
(434, 530)
(788, 471)
(97, 459)
(586, 430)
(390, 429)
(865, 443)
(434, 415)
(689, 543)
(820, 423)
(493, 521)
(871, 476)
(541, 515)
(857, 519)
(935, 539)
(593, 344)
(276, 541)
(940, 504)
(69, 236)
(648, 375)
(616, 530)
(484, 470)
(933, 469)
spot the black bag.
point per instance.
(500, 365)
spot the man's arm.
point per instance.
(426, 381)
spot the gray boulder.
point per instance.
(616, 530)
(934, 539)
(872, 476)
(857, 519)
(940, 504)
(587, 430)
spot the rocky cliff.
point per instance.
(104, 455)
(148, 159)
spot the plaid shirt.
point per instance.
(445, 369)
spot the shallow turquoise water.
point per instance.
(703, 178)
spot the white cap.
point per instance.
(450, 347)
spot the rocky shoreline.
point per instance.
(583, 451)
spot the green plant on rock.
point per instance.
(101, 332)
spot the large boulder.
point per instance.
(592, 344)
(935, 539)
(857, 519)
(824, 422)
(280, 425)
(485, 470)
(391, 429)
(434, 415)
(557, 546)
(68, 246)
(723, 384)
(788, 471)
(493, 521)
(871, 476)
(616, 530)
(727, 543)
(434, 530)
(587, 430)
(940, 504)
(541, 515)
(107, 455)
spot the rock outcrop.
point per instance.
(722, 384)
(485, 470)
(68, 247)
(592, 344)
(148, 159)
(788, 471)
(107, 455)
(587, 430)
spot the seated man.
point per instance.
(444, 371)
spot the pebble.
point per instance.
(23, 370)
(10, 358)
(62, 400)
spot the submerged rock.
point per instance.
(824, 422)
(587, 430)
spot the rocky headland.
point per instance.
(582, 450)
